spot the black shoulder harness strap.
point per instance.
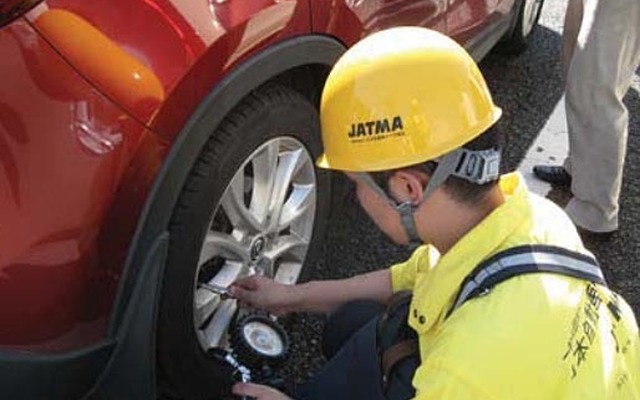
(398, 343)
(527, 259)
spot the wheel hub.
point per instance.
(257, 246)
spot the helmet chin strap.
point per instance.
(406, 209)
(477, 166)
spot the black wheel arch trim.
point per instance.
(66, 376)
(154, 220)
(131, 372)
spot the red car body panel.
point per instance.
(241, 31)
(467, 18)
(99, 91)
(353, 20)
(60, 170)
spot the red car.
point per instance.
(152, 151)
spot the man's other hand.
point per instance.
(259, 392)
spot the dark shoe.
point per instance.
(555, 175)
(598, 237)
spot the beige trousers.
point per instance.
(601, 51)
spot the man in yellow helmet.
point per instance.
(507, 303)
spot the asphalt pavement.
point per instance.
(529, 88)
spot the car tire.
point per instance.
(516, 40)
(274, 129)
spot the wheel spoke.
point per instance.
(301, 201)
(233, 205)
(289, 164)
(289, 247)
(229, 273)
(264, 176)
(218, 244)
(288, 272)
(215, 330)
(207, 303)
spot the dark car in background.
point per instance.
(153, 149)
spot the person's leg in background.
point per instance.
(605, 54)
(572, 23)
(554, 174)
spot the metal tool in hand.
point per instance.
(238, 368)
(245, 373)
(216, 289)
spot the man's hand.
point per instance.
(316, 296)
(259, 392)
(265, 294)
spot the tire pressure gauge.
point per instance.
(258, 340)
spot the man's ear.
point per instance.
(407, 185)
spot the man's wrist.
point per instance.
(308, 297)
(297, 298)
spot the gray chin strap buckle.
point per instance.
(479, 166)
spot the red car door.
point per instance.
(354, 19)
(469, 19)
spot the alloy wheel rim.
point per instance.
(262, 225)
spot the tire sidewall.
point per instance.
(516, 40)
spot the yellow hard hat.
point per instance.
(400, 97)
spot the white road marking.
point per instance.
(550, 148)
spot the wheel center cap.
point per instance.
(257, 247)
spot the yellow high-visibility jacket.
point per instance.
(535, 336)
